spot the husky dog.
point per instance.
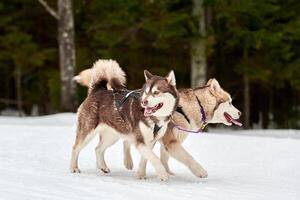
(197, 107)
(111, 112)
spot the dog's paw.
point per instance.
(141, 175)
(105, 170)
(163, 176)
(75, 170)
(128, 163)
(201, 173)
(171, 173)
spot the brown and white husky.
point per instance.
(111, 112)
(197, 108)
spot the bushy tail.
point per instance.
(107, 74)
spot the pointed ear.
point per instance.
(147, 75)
(171, 78)
(214, 84)
(209, 82)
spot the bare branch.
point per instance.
(50, 10)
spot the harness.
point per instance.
(135, 94)
(127, 93)
(203, 118)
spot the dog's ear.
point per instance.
(209, 82)
(214, 85)
(147, 75)
(171, 78)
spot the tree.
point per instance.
(66, 43)
(198, 47)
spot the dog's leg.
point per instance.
(106, 139)
(164, 157)
(142, 166)
(141, 174)
(148, 154)
(179, 153)
(81, 141)
(127, 156)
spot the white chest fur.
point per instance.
(148, 131)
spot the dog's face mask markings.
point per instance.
(225, 112)
(159, 96)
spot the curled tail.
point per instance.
(107, 74)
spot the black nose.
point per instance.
(239, 113)
(145, 102)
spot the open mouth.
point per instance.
(151, 110)
(231, 119)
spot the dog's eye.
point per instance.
(156, 93)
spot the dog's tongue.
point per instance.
(234, 121)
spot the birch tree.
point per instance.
(66, 44)
(198, 47)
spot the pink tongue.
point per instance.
(236, 122)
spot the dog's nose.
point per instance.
(145, 102)
(239, 113)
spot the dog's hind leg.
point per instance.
(177, 151)
(106, 140)
(81, 141)
(127, 155)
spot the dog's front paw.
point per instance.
(163, 176)
(141, 175)
(128, 163)
(75, 170)
(105, 170)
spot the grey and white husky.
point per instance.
(112, 113)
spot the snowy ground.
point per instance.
(35, 154)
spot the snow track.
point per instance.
(35, 155)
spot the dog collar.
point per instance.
(203, 115)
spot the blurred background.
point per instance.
(251, 47)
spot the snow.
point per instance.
(35, 154)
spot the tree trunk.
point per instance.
(19, 90)
(66, 54)
(198, 48)
(246, 110)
